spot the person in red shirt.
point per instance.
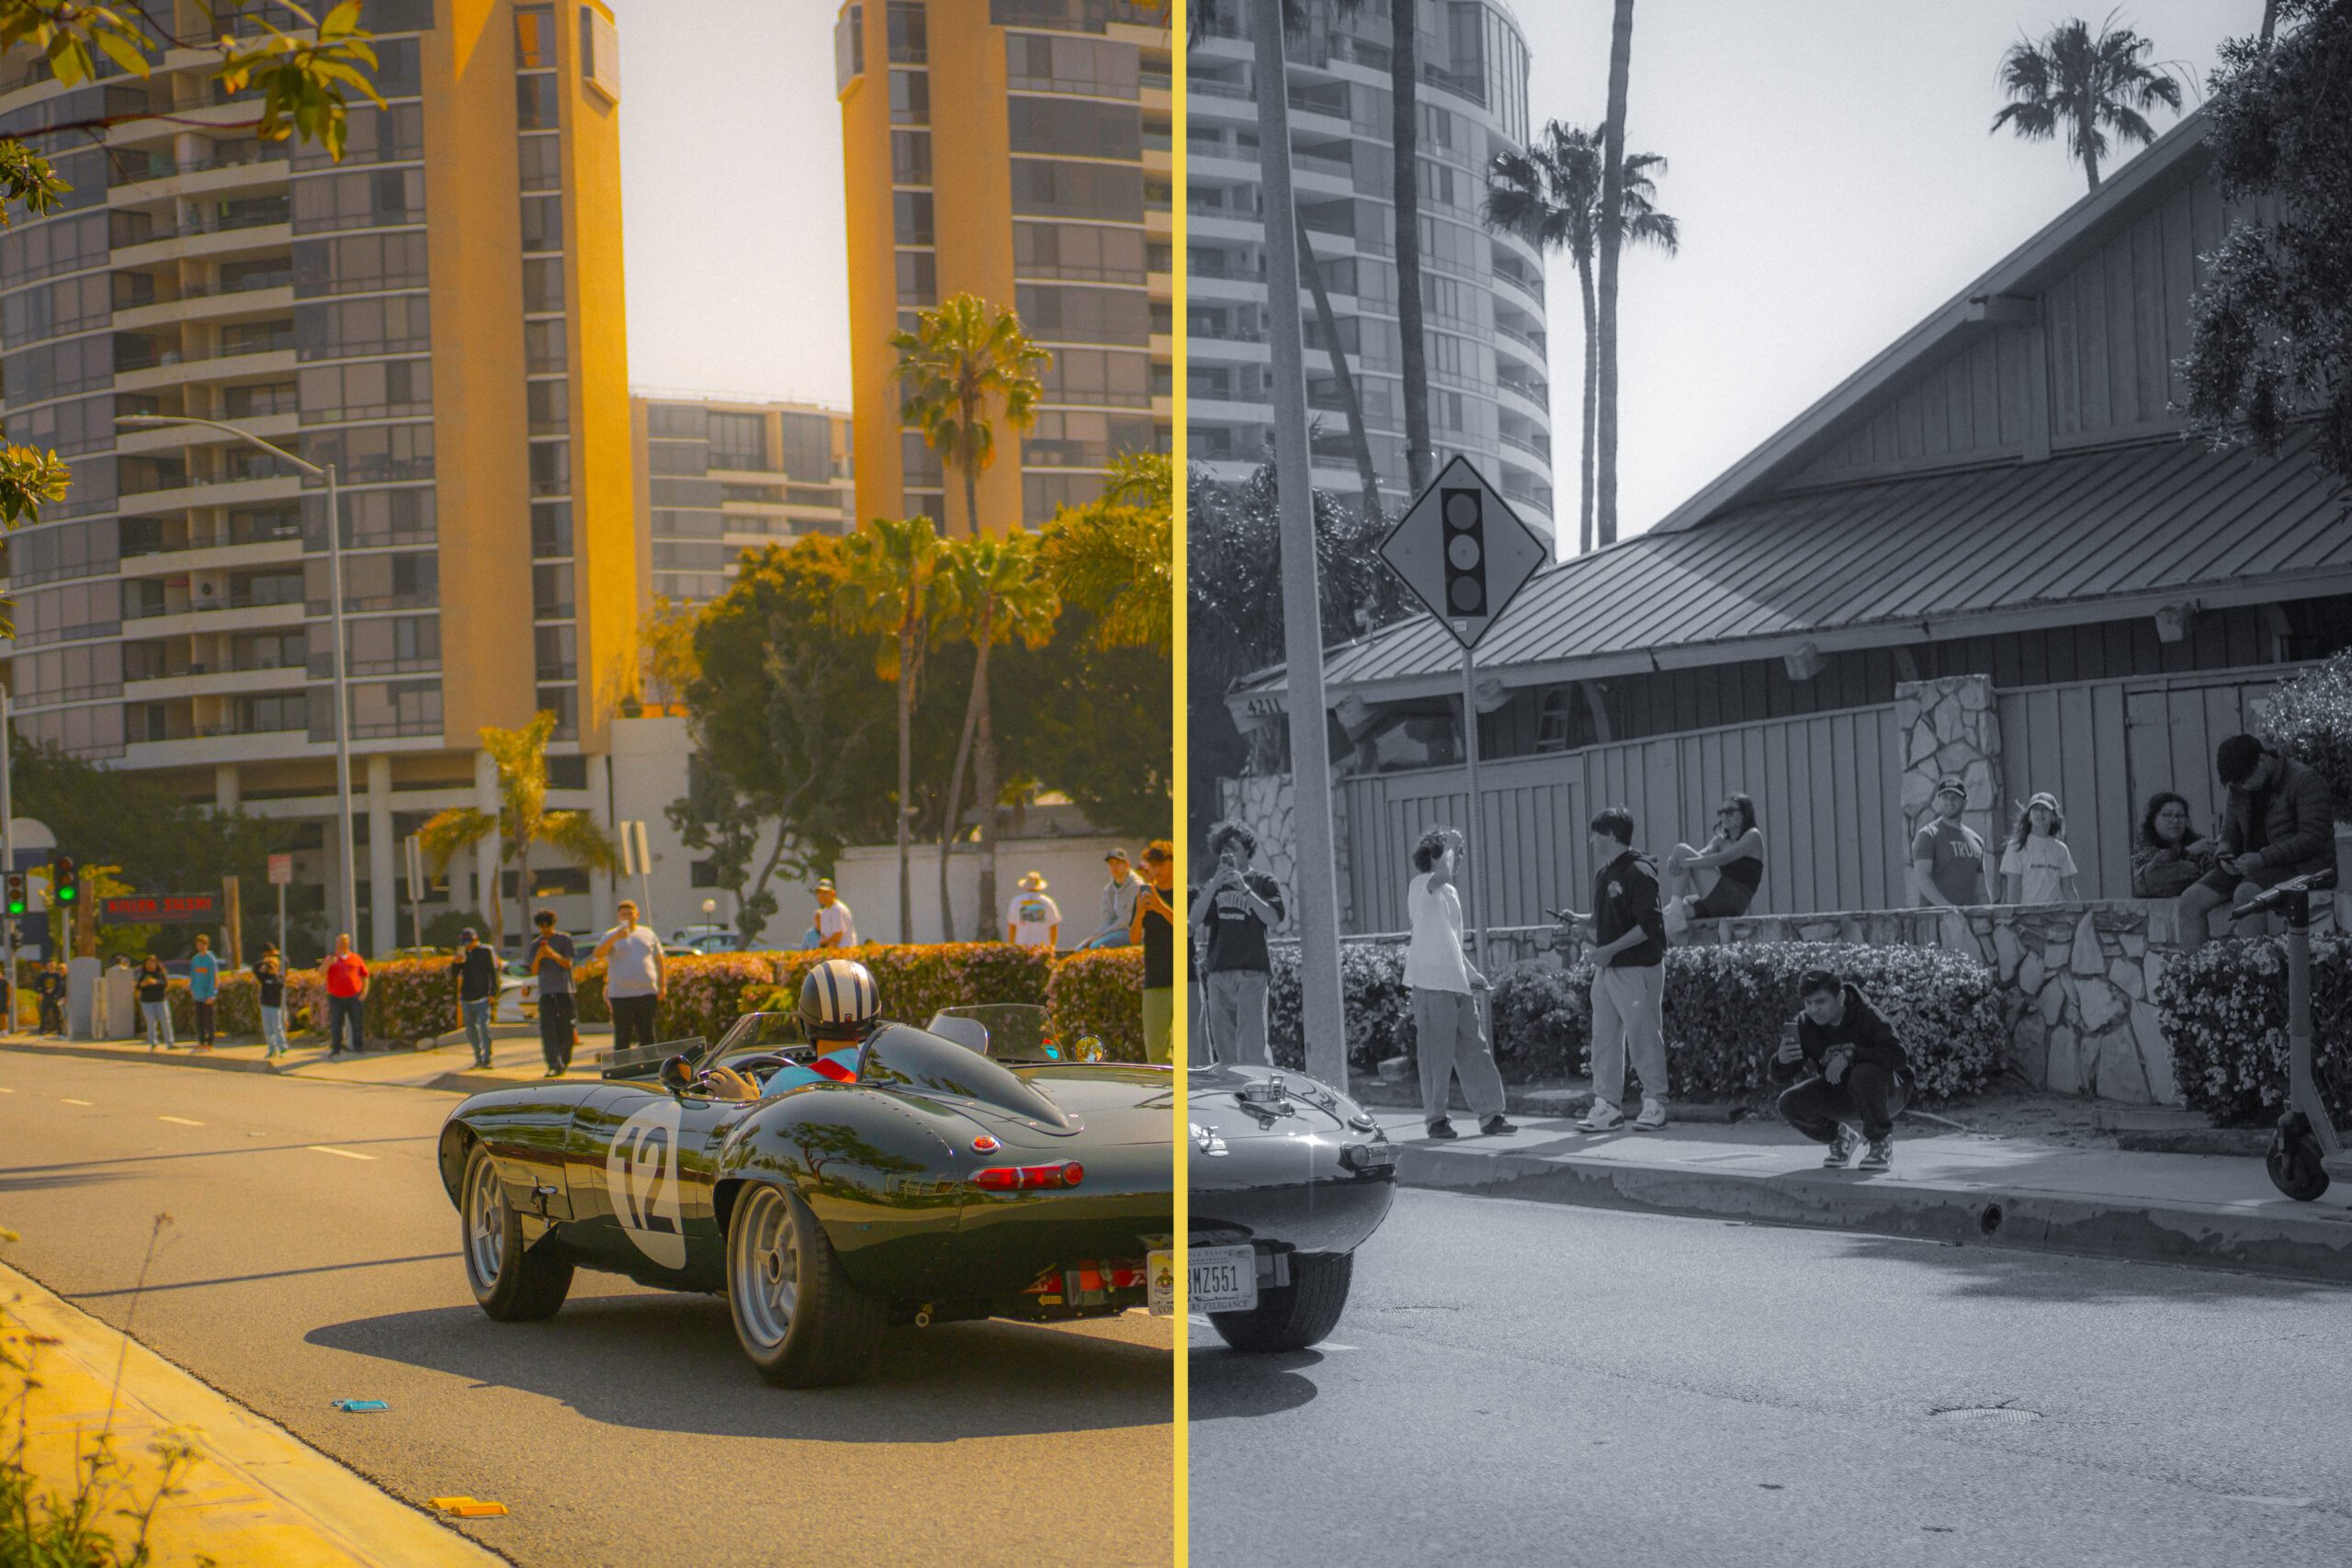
(346, 997)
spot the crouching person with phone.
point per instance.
(1849, 1069)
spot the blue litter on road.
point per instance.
(359, 1406)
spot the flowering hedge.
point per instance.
(2310, 717)
(1100, 993)
(2224, 1009)
(706, 992)
(1725, 1008)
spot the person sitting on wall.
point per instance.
(2280, 822)
(2168, 857)
(1736, 854)
(1854, 1070)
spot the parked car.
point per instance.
(706, 939)
(909, 1178)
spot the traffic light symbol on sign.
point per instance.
(63, 888)
(16, 905)
(1465, 552)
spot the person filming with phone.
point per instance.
(1848, 1067)
(1237, 906)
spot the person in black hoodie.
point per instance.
(1849, 1066)
(477, 971)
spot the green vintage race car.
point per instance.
(919, 1175)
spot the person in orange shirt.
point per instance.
(346, 997)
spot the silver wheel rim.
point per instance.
(763, 1268)
(485, 1224)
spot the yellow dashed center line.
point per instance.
(72, 1101)
(325, 1150)
(179, 1121)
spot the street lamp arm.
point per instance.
(162, 421)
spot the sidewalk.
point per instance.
(2043, 1192)
(255, 1493)
(514, 1056)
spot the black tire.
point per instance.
(1293, 1316)
(797, 1315)
(512, 1283)
(2294, 1162)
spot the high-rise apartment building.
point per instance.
(1482, 292)
(719, 476)
(1036, 174)
(439, 315)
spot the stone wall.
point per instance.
(1951, 725)
(1267, 806)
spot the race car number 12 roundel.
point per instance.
(641, 1174)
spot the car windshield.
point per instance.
(755, 1033)
(901, 1057)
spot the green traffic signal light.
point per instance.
(16, 892)
(63, 887)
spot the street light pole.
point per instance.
(334, 587)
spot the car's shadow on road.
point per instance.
(671, 1363)
(1228, 1383)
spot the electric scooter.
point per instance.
(2306, 1151)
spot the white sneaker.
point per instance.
(1603, 1118)
(1653, 1115)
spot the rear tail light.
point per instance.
(1029, 1177)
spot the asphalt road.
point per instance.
(1528, 1383)
(311, 1255)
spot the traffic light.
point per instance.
(62, 886)
(16, 905)
(1465, 552)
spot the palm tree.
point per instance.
(1613, 193)
(1549, 196)
(1001, 593)
(2091, 84)
(1115, 559)
(893, 586)
(963, 357)
(520, 757)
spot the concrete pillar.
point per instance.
(225, 794)
(601, 897)
(486, 853)
(383, 860)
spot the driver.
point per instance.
(839, 1005)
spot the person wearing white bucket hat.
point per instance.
(1032, 920)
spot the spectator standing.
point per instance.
(49, 987)
(347, 975)
(1032, 919)
(835, 926)
(550, 960)
(1447, 988)
(1859, 1071)
(1736, 854)
(1629, 977)
(2168, 857)
(2038, 867)
(269, 983)
(1238, 907)
(154, 987)
(635, 980)
(1152, 926)
(1947, 854)
(477, 971)
(2280, 823)
(204, 989)
(1119, 897)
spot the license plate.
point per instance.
(1224, 1278)
(1159, 1278)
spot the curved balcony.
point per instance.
(207, 305)
(258, 364)
(198, 242)
(214, 557)
(232, 491)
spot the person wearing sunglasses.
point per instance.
(1735, 853)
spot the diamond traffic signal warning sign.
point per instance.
(1462, 551)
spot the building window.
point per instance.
(550, 468)
(551, 592)
(564, 703)
(536, 105)
(1076, 126)
(918, 277)
(849, 47)
(549, 405)
(739, 441)
(534, 38)
(542, 285)
(557, 654)
(910, 157)
(911, 97)
(1048, 187)
(543, 222)
(543, 347)
(910, 217)
(550, 528)
(909, 33)
(542, 162)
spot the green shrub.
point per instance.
(2224, 1009)
(1724, 1009)
(1379, 1004)
(918, 981)
(1100, 993)
(2310, 717)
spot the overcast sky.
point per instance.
(1829, 165)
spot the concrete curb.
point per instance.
(257, 1495)
(2205, 1235)
(211, 1061)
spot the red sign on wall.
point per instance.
(164, 908)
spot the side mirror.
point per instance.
(678, 1074)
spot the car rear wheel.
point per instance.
(798, 1317)
(512, 1285)
(1293, 1316)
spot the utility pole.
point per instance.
(7, 859)
(1316, 896)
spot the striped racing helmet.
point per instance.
(840, 998)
